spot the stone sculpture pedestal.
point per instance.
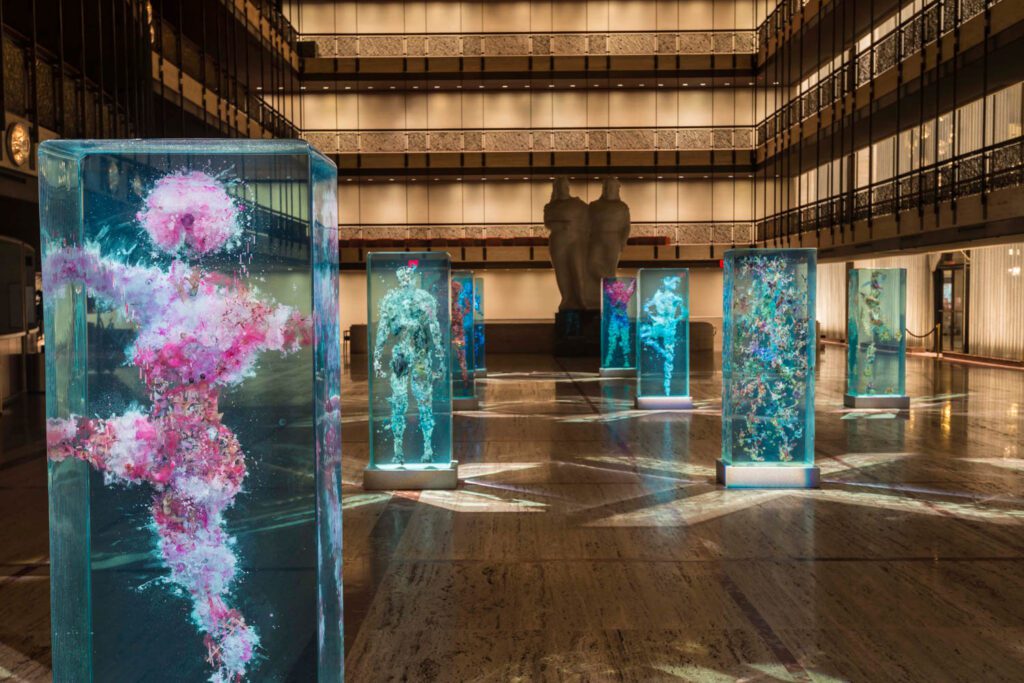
(578, 333)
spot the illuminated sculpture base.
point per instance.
(465, 404)
(896, 402)
(767, 476)
(480, 372)
(618, 372)
(664, 403)
(395, 478)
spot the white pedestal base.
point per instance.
(768, 476)
(895, 402)
(480, 372)
(465, 404)
(618, 372)
(664, 403)
(394, 478)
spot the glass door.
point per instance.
(951, 281)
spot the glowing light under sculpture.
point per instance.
(663, 331)
(410, 338)
(463, 342)
(618, 327)
(479, 329)
(768, 360)
(876, 361)
(193, 372)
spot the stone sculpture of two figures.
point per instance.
(586, 241)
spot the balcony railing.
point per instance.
(910, 37)
(995, 167)
(535, 44)
(523, 140)
(535, 234)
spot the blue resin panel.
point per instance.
(663, 329)
(877, 342)
(479, 341)
(618, 322)
(409, 300)
(768, 357)
(193, 430)
(463, 355)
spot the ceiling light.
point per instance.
(726, 83)
(391, 87)
(348, 87)
(459, 179)
(703, 84)
(369, 87)
(775, 82)
(641, 85)
(661, 85)
(325, 87)
(348, 180)
(391, 180)
(415, 87)
(506, 178)
(458, 87)
(685, 84)
(572, 85)
(302, 87)
(750, 82)
(504, 86)
(620, 85)
(437, 87)
(551, 85)
(259, 87)
(527, 85)
(480, 86)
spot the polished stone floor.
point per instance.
(588, 541)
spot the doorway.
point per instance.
(951, 302)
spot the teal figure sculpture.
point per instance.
(479, 329)
(410, 354)
(618, 327)
(876, 338)
(663, 356)
(463, 352)
(192, 390)
(768, 357)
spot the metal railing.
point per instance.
(694, 138)
(511, 44)
(910, 37)
(642, 232)
(995, 167)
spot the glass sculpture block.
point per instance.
(768, 360)
(410, 361)
(463, 353)
(663, 332)
(192, 399)
(479, 341)
(618, 325)
(877, 344)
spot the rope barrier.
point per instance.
(926, 334)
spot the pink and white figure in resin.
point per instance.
(198, 333)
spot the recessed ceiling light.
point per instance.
(703, 84)
(458, 87)
(750, 82)
(775, 82)
(506, 178)
(726, 83)
(597, 85)
(525, 178)
(259, 87)
(660, 178)
(415, 87)
(459, 179)
(705, 176)
(685, 84)
(391, 87)
(661, 85)
(620, 85)
(391, 180)
(369, 87)
(527, 85)
(348, 87)
(280, 87)
(348, 180)
(681, 177)
(302, 87)
(504, 86)
(325, 87)
(436, 179)
(572, 85)
(641, 85)
(551, 85)
(480, 86)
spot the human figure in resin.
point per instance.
(460, 334)
(618, 293)
(874, 327)
(199, 332)
(408, 315)
(658, 331)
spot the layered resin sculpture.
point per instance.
(409, 298)
(618, 326)
(877, 345)
(193, 431)
(768, 368)
(663, 331)
(463, 352)
(479, 341)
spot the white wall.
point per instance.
(522, 201)
(524, 109)
(532, 295)
(497, 16)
